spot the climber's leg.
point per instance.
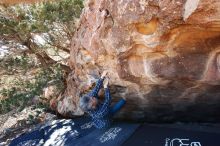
(114, 109)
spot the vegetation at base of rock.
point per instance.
(37, 39)
(19, 96)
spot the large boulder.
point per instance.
(164, 56)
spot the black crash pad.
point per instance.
(81, 132)
(76, 132)
(173, 135)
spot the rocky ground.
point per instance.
(16, 123)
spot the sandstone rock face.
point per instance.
(164, 56)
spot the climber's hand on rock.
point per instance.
(104, 74)
(105, 84)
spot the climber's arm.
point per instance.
(108, 98)
(98, 85)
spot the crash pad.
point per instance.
(81, 132)
(71, 132)
(174, 135)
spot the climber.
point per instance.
(100, 113)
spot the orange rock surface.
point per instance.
(164, 56)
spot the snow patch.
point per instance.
(3, 51)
